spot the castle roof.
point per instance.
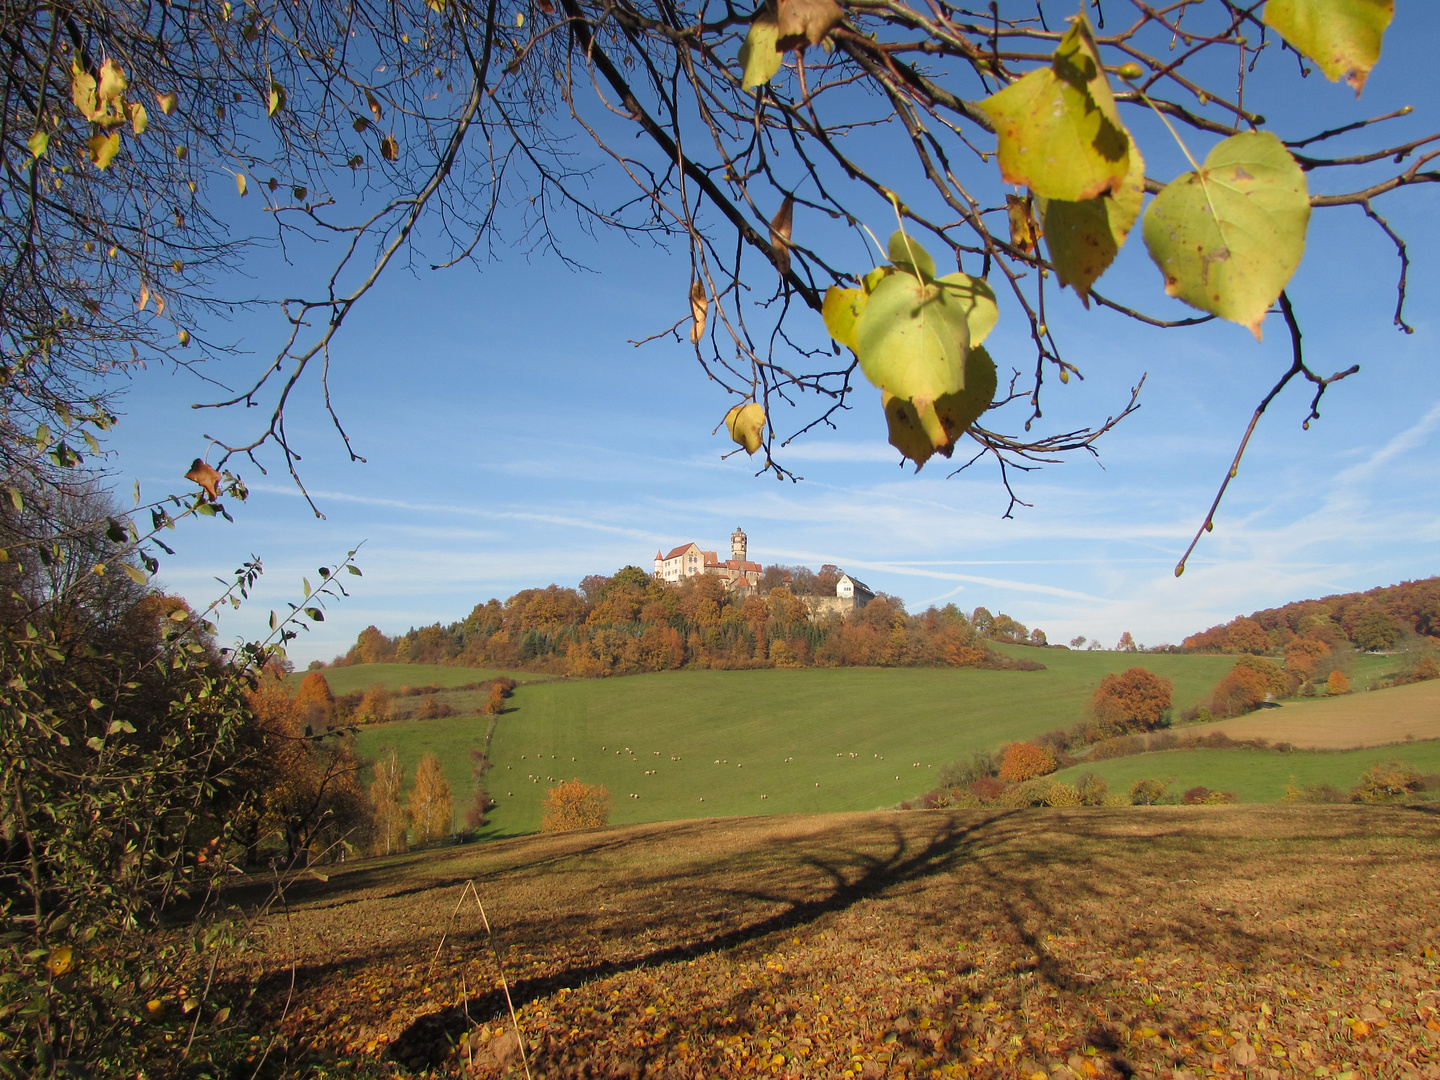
(679, 551)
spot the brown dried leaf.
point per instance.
(1024, 230)
(780, 227)
(805, 22)
(699, 309)
(206, 477)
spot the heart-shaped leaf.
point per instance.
(1343, 37)
(1058, 131)
(913, 337)
(1228, 238)
(907, 254)
(921, 429)
(1084, 237)
(103, 149)
(977, 299)
(840, 311)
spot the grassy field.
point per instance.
(1069, 944)
(1255, 776)
(691, 744)
(1341, 723)
(711, 743)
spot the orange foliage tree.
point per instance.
(574, 804)
(1239, 692)
(1025, 761)
(314, 701)
(1134, 700)
(1337, 683)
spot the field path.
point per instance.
(1373, 718)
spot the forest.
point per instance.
(631, 623)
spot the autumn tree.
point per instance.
(376, 705)
(390, 833)
(1242, 690)
(429, 806)
(1126, 643)
(1337, 683)
(1024, 761)
(1133, 700)
(314, 701)
(573, 804)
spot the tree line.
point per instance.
(631, 622)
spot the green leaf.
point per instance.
(95, 743)
(1057, 128)
(913, 338)
(1229, 237)
(906, 253)
(277, 98)
(919, 430)
(840, 311)
(746, 424)
(760, 55)
(1342, 36)
(16, 501)
(315, 613)
(977, 299)
(355, 570)
(38, 143)
(305, 583)
(1084, 237)
(134, 573)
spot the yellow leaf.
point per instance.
(240, 184)
(139, 118)
(184, 336)
(1023, 229)
(60, 961)
(144, 296)
(840, 312)
(167, 102)
(374, 105)
(1343, 37)
(154, 1008)
(82, 91)
(1057, 129)
(746, 424)
(38, 143)
(277, 98)
(134, 573)
(103, 149)
(1084, 237)
(760, 55)
(699, 308)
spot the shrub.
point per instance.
(1063, 795)
(1425, 669)
(1122, 746)
(1203, 796)
(964, 773)
(1030, 793)
(1386, 782)
(987, 789)
(1337, 684)
(1134, 700)
(1147, 792)
(375, 706)
(573, 804)
(432, 709)
(1025, 761)
(1093, 789)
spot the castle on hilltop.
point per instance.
(689, 560)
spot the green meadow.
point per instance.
(1256, 775)
(711, 743)
(346, 680)
(693, 744)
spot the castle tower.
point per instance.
(737, 544)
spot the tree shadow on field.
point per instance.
(835, 884)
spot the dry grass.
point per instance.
(1376, 718)
(1159, 942)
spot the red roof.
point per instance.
(678, 551)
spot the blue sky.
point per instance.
(515, 438)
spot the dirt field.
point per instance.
(1376, 718)
(1167, 942)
